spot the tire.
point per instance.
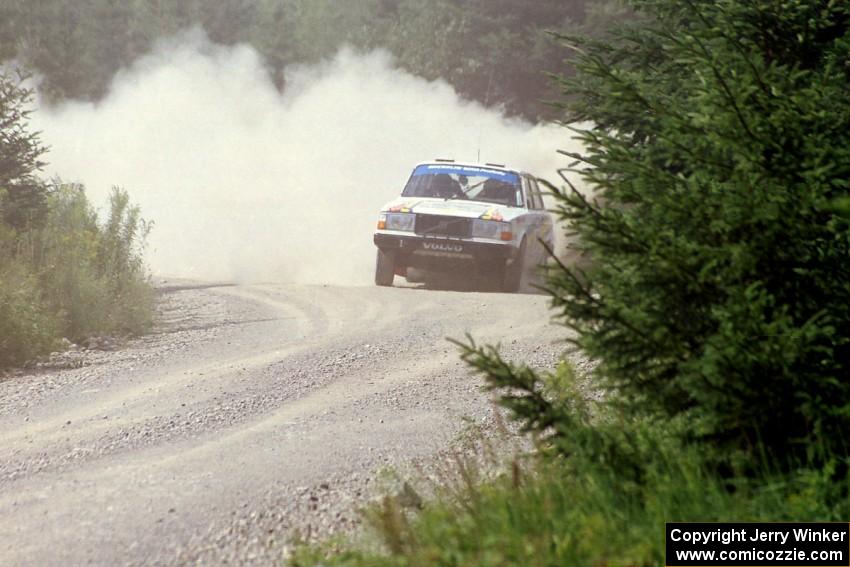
(384, 268)
(513, 273)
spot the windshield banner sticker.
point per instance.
(466, 170)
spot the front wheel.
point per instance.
(384, 268)
(514, 272)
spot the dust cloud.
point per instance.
(245, 183)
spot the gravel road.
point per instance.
(249, 413)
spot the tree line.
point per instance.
(494, 51)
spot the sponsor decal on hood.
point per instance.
(401, 208)
(493, 213)
(452, 208)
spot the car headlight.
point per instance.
(495, 230)
(397, 221)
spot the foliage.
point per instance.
(720, 282)
(582, 510)
(93, 275)
(74, 278)
(493, 51)
(21, 193)
(62, 273)
(26, 326)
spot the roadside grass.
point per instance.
(74, 277)
(553, 514)
(587, 507)
(27, 328)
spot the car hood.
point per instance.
(454, 208)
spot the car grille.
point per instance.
(438, 225)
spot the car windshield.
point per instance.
(446, 181)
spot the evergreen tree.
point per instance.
(720, 282)
(22, 195)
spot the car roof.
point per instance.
(494, 166)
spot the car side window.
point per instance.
(534, 193)
(529, 191)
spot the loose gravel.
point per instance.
(250, 416)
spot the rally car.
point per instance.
(469, 219)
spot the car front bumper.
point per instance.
(436, 253)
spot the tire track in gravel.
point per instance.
(134, 399)
(246, 396)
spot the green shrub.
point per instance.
(26, 327)
(93, 274)
(74, 277)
